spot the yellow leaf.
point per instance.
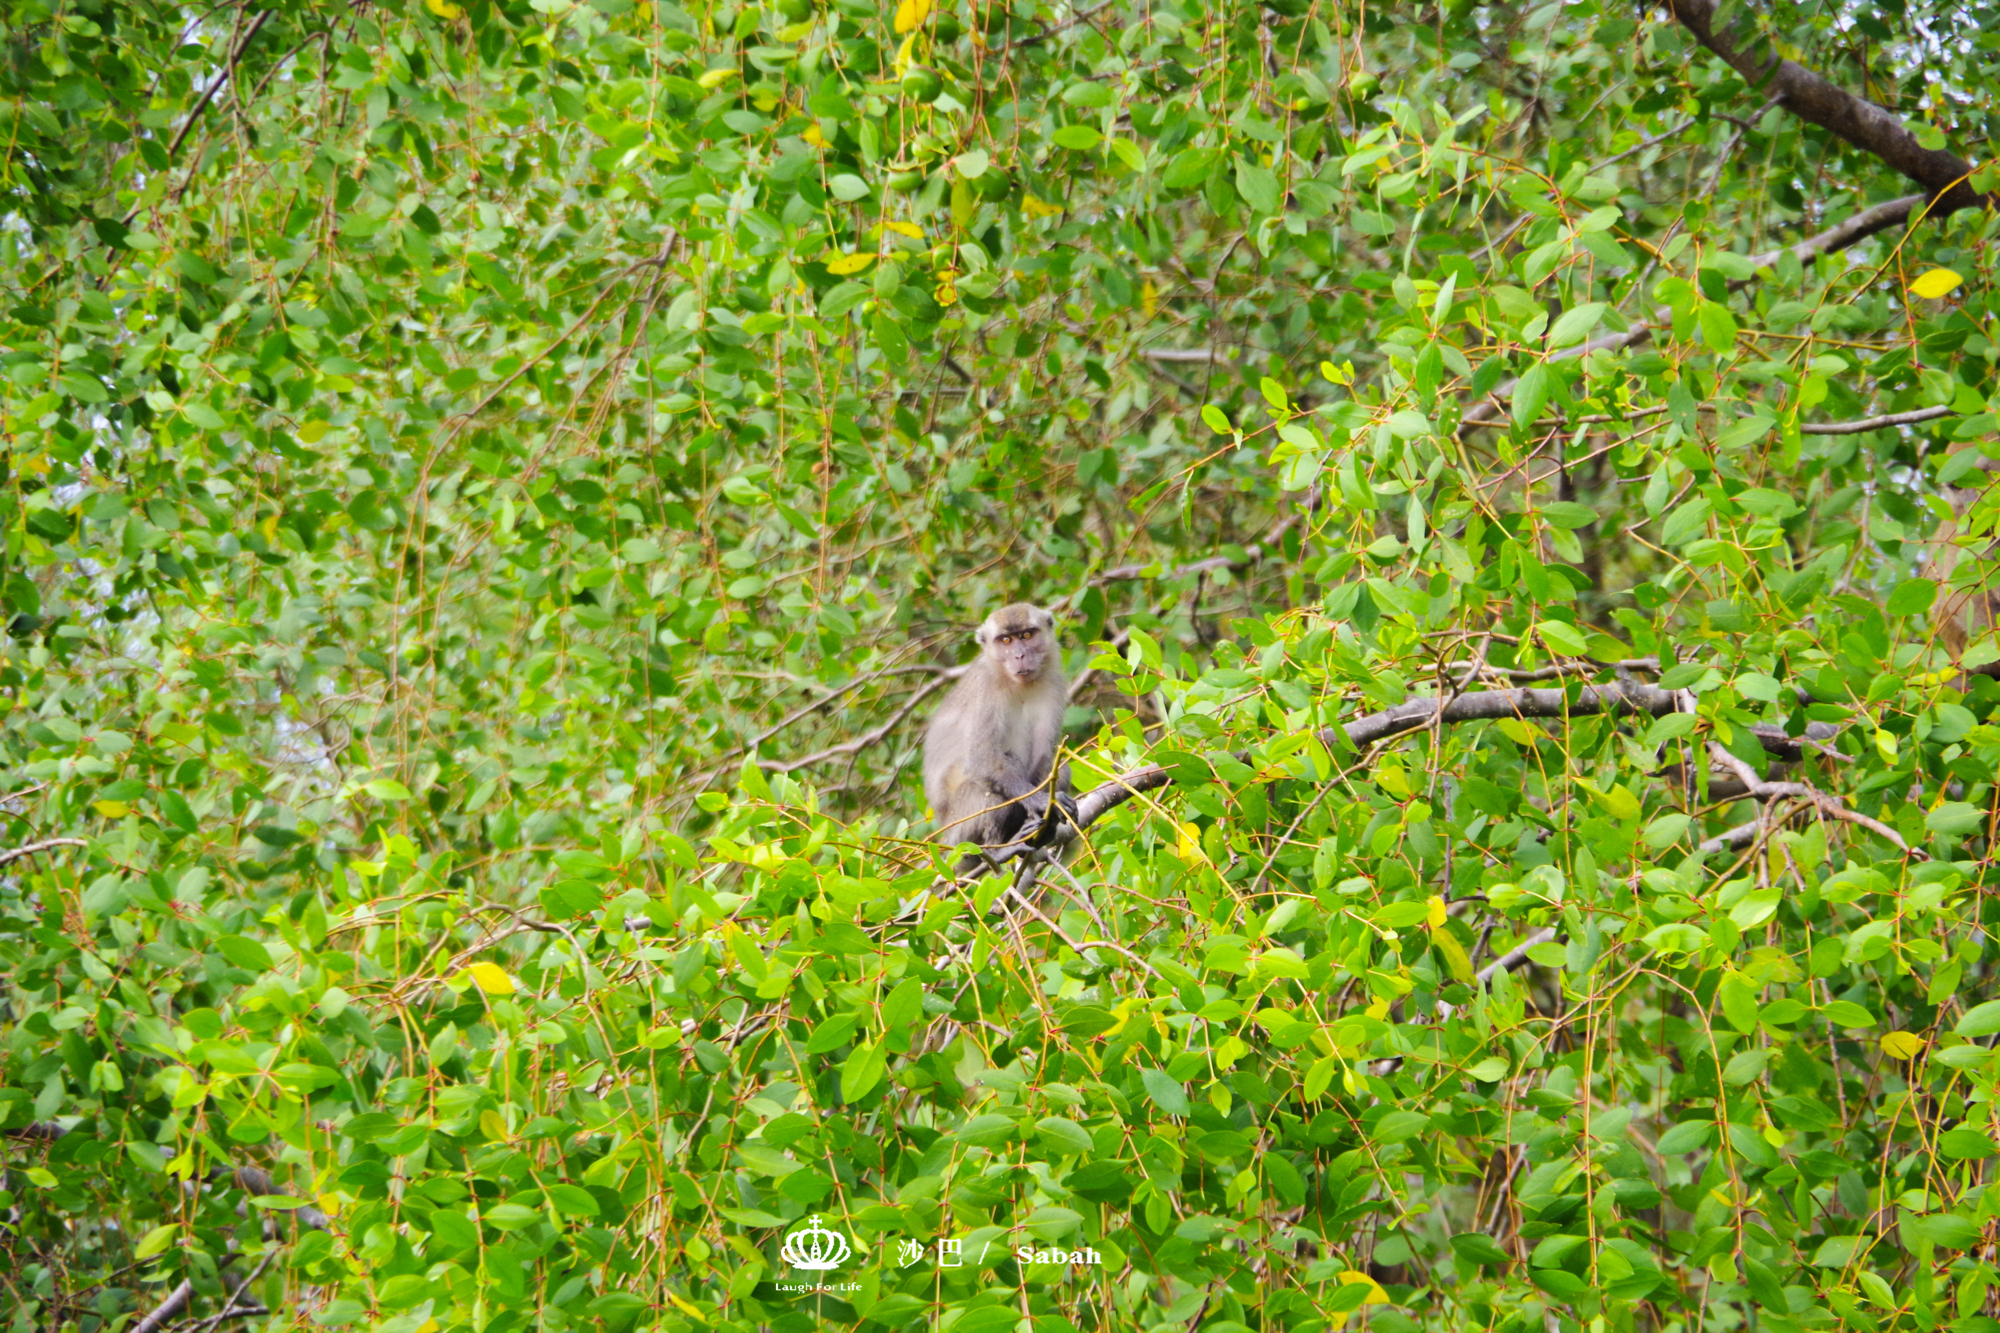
(1035, 208)
(444, 9)
(686, 1306)
(491, 1125)
(1123, 1013)
(313, 431)
(269, 527)
(1189, 846)
(813, 135)
(910, 13)
(904, 229)
(1434, 913)
(490, 978)
(1379, 1009)
(1938, 282)
(1903, 1045)
(842, 265)
(715, 78)
(1149, 298)
(1376, 1296)
(112, 809)
(1454, 954)
(1885, 745)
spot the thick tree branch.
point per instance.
(1624, 698)
(1871, 128)
(1852, 231)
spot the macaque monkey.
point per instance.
(991, 747)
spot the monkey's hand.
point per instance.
(1059, 821)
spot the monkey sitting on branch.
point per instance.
(990, 751)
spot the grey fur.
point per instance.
(990, 746)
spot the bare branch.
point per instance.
(12, 854)
(1191, 355)
(1804, 791)
(1516, 957)
(1875, 423)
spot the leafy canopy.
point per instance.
(490, 489)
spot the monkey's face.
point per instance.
(1019, 641)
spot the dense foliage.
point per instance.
(492, 486)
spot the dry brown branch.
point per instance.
(1825, 802)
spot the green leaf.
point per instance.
(1955, 819)
(1739, 1003)
(1982, 1020)
(1260, 188)
(1164, 1092)
(1912, 597)
(1686, 1137)
(1685, 523)
(1718, 326)
(572, 1200)
(863, 1069)
(1065, 1136)
(833, 1034)
(1666, 830)
(1562, 638)
(1399, 1127)
(1576, 325)
(245, 953)
(156, 1241)
(1479, 1249)
(1531, 393)
(1945, 1229)
(1567, 514)
(1966, 1145)
(1082, 138)
(1745, 432)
